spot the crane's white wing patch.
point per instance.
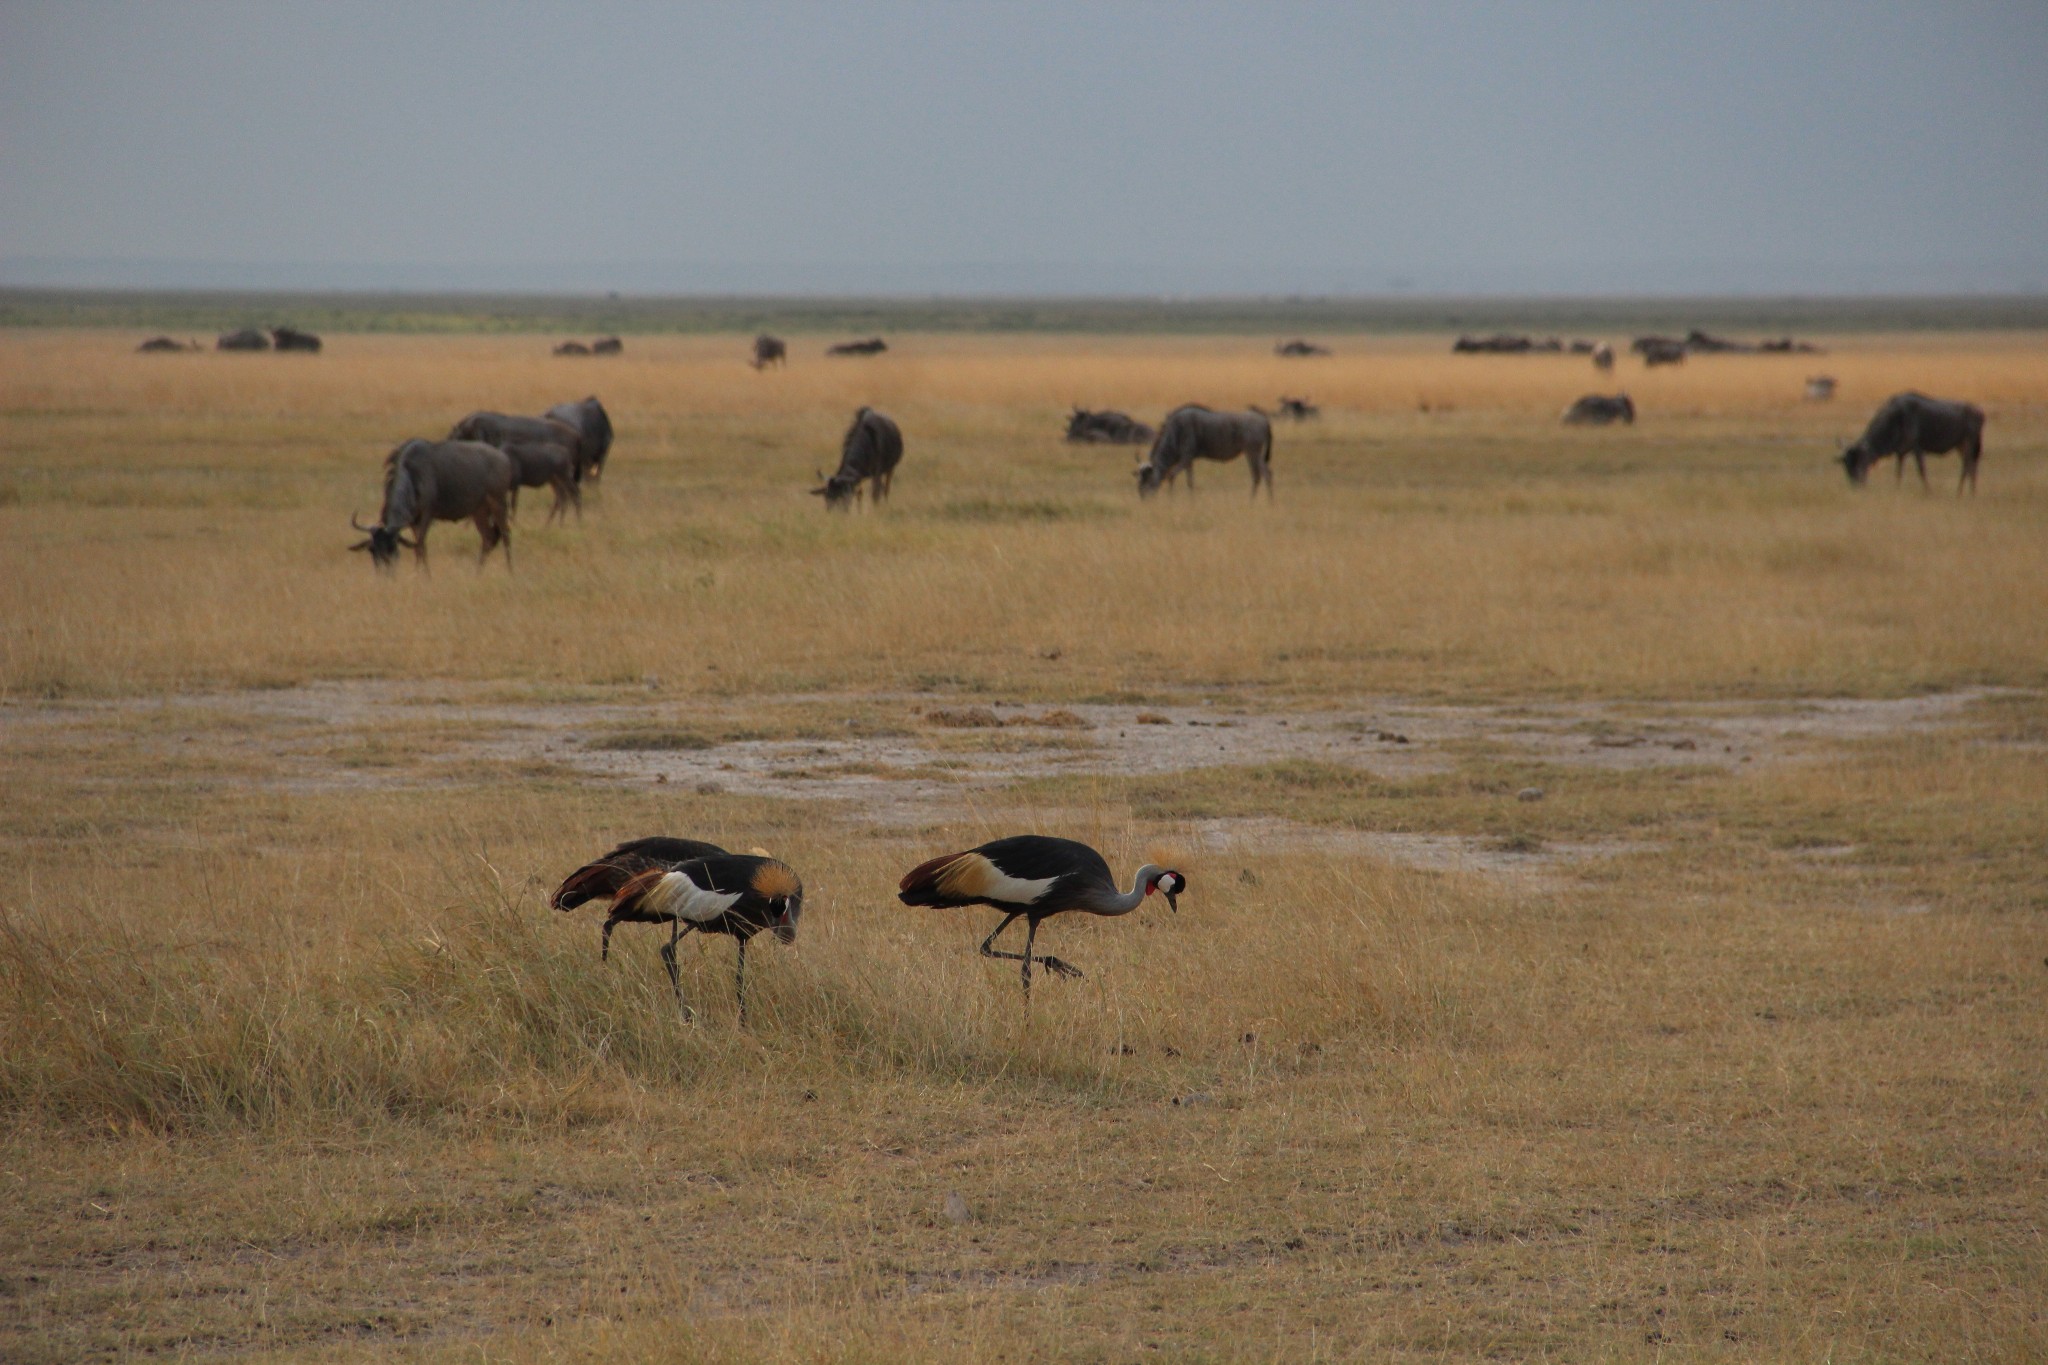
(677, 895)
(973, 875)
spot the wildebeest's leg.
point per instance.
(1920, 464)
(419, 543)
(1971, 452)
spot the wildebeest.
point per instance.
(1913, 424)
(1500, 343)
(1598, 409)
(872, 449)
(1581, 346)
(1708, 344)
(594, 425)
(608, 346)
(1298, 409)
(165, 344)
(1603, 357)
(870, 346)
(1820, 388)
(247, 339)
(769, 350)
(292, 339)
(1192, 432)
(430, 481)
(572, 348)
(1107, 427)
(1298, 349)
(1657, 351)
(545, 464)
(1787, 346)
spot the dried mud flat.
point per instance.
(901, 760)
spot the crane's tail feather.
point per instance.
(593, 881)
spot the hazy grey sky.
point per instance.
(1129, 148)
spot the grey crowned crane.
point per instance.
(1033, 876)
(604, 877)
(737, 894)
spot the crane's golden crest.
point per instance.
(773, 879)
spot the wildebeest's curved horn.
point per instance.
(360, 545)
(355, 522)
(408, 544)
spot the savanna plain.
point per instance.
(1617, 861)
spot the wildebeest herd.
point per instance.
(475, 473)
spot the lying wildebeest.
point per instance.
(430, 481)
(1820, 388)
(292, 339)
(247, 339)
(769, 350)
(1657, 351)
(1913, 424)
(1192, 432)
(1581, 346)
(1598, 409)
(871, 451)
(1603, 357)
(165, 344)
(1787, 346)
(1298, 348)
(608, 346)
(572, 348)
(1709, 344)
(545, 464)
(594, 425)
(1500, 343)
(871, 346)
(1107, 427)
(1298, 409)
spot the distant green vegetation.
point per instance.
(204, 314)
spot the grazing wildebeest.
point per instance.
(1657, 351)
(769, 350)
(572, 348)
(545, 464)
(1298, 409)
(607, 346)
(292, 339)
(1581, 346)
(1820, 388)
(1913, 424)
(1603, 357)
(870, 453)
(1298, 349)
(1598, 409)
(498, 428)
(594, 425)
(430, 481)
(871, 346)
(247, 339)
(1107, 427)
(1192, 432)
(165, 344)
(1787, 346)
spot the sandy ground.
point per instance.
(907, 760)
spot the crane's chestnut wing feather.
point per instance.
(602, 878)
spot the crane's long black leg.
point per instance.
(740, 978)
(604, 943)
(668, 960)
(1051, 964)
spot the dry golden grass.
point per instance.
(304, 1069)
(1711, 549)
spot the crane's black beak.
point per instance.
(1172, 884)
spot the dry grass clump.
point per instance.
(435, 1011)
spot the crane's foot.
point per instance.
(1059, 968)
